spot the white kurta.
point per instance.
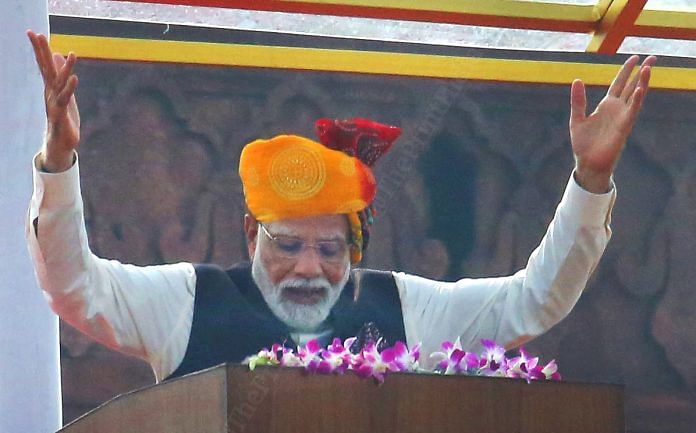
(148, 311)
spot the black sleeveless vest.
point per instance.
(231, 320)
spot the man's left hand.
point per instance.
(599, 138)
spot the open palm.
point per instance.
(63, 117)
(599, 138)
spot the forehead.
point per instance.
(320, 227)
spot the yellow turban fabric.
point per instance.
(289, 176)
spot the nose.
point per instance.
(308, 264)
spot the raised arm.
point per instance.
(141, 311)
(515, 309)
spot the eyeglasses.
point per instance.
(289, 247)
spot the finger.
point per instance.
(644, 81)
(646, 72)
(578, 101)
(68, 92)
(634, 108)
(621, 78)
(65, 67)
(649, 61)
(46, 58)
(631, 87)
(58, 61)
(33, 38)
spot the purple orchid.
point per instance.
(454, 360)
(337, 355)
(522, 366)
(492, 361)
(448, 360)
(400, 358)
(310, 356)
(286, 357)
(547, 372)
(369, 363)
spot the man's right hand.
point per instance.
(62, 115)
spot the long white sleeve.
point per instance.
(512, 310)
(142, 311)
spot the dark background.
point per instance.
(467, 191)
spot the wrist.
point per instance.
(56, 162)
(593, 181)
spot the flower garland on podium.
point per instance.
(370, 362)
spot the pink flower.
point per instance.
(492, 361)
(521, 366)
(337, 355)
(454, 360)
(310, 355)
(286, 357)
(369, 363)
(399, 358)
(447, 360)
(547, 372)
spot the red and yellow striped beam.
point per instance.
(615, 25)
(609, 20)
(665, 24)
(517, 14)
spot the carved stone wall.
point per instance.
(468, 191)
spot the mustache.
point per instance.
(305, 283)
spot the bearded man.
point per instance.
(308, 223)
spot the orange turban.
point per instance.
(289, 176)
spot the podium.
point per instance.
(231, 399)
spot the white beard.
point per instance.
(299, 317)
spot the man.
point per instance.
(307, 224)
